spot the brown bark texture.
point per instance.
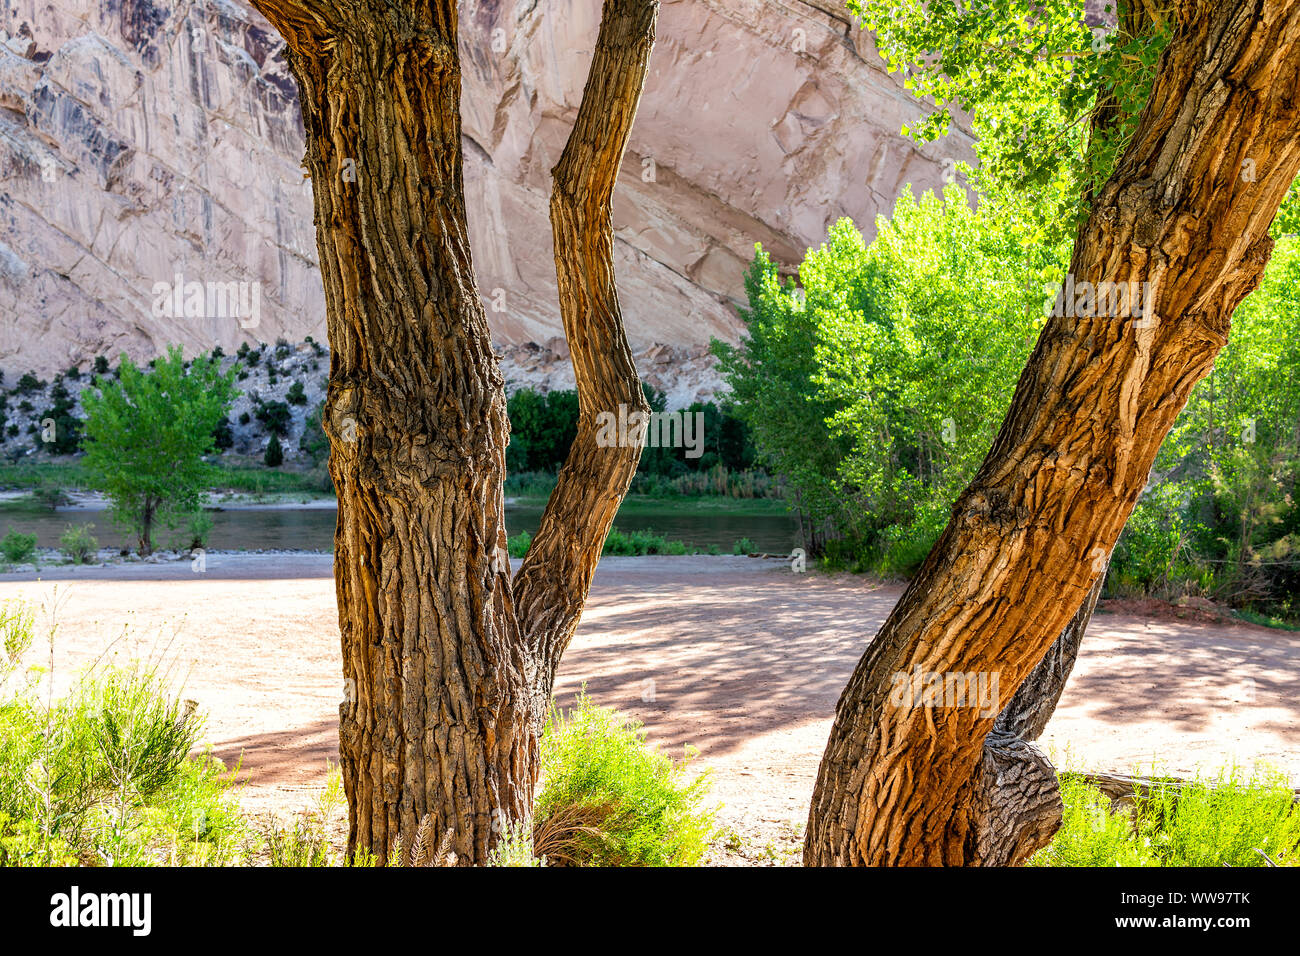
(447, 663)
(1029, 536)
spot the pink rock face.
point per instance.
(149, 151)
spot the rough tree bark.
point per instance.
(552, 584)
(1013, 567)
(1017, 805)
(443, 678)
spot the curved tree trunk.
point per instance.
(902, 785)
(552, 584)
(439, 722)
(1016, 806)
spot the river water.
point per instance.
(312, 528)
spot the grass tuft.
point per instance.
(608, 800)
(1230, 820)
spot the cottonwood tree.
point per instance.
(147, 431)
(448, 662)
(1197, 179)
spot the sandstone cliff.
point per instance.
(144, 145)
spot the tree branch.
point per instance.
(551, 586)
(302, 23)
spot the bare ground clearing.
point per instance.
(737, 657)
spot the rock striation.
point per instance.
(151, 187)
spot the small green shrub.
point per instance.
(1091, 834)
(199, 526)
(620, 543)
(1230, 820)
(529, 484)
(518, 544)
(141, 735)
(274, 456)
(78, 544)
(303, 844)
(275, 417)
(307, 842)
(103, 776)
(50, 495)
(314, 441)
(608, 800)
(28, 383)
(23, 844)
(515, 847)
(18, 547)
(715, 481)
(634, 543)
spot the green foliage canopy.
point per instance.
(876, 384)
(146, 434)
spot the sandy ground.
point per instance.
(737, 657)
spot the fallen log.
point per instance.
(1121, 787)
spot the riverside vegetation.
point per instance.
(155, 439)
(874, 384)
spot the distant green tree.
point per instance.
(1222, 512)
(875, 386)
(18, 547)
(28, 383)
(275, 417)
(726, 439)
(921, 367)
(542, 427)
(59, 425)
(274, 456)
(771, 374)
(223, 436)
(146, 434)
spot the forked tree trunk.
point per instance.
(908, 785)
(441, 710)
(1016, 805)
